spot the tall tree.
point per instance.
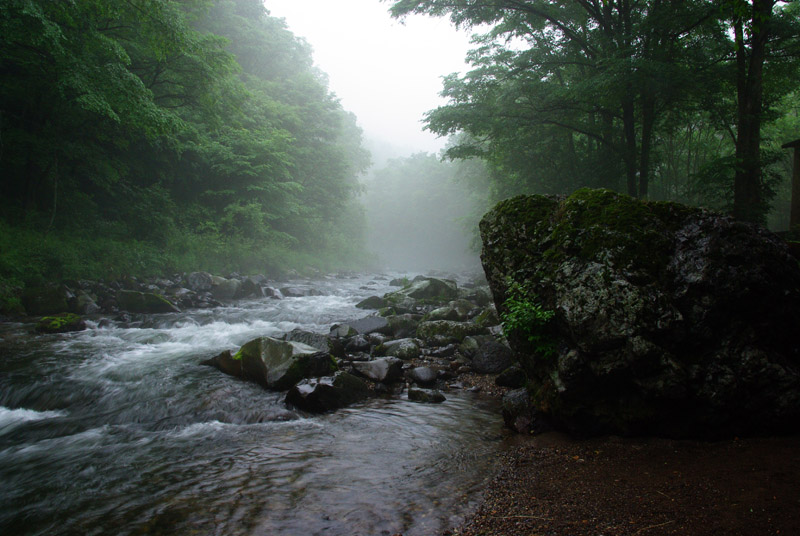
(601, 70)
(753, 28)
(565, 93)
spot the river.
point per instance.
(119, 430)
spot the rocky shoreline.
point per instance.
(429, 337)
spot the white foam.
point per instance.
(11, 418)
(198, 428)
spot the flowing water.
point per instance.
(119, 430)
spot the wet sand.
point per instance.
(554, 485)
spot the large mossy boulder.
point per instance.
(274, 364)
(144, 302)
(668, 320)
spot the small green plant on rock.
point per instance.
(526, 319)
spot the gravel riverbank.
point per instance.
(554, 485)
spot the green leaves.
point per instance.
(525, 318)
(159, 117)
(566, 94)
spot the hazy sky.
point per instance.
(386, 72)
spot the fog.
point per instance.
(422, 215)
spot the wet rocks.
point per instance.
(382, 353)
(520, 414)
(492, 357)
(426, 396)
(423, 375)
(144, 302)
(224, 289)
(443, 332)
(405, 349)
(422, 291)
(459, 310)
(199, 281)
(318, 395)
(316, 340)
(46, 300)
(512, 377)
(382, 370)
(370, 324)
(373, 302)
(274, 364)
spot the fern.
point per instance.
(528, 320)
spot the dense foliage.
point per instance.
(668, 99)
(152, 135)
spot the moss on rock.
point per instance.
(61, 323)
(144, 302)
(652, 301)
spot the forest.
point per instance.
(145, 137)
(684, 100)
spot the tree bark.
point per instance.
(629, 129)
(747, 200)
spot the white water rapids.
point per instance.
(119, 430)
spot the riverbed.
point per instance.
(119, 430)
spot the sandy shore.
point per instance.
(554, 485)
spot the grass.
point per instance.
(30, 258)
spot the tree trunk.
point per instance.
(747, 202)
(648, 121)
(629, 129)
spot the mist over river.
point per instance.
(119, 430)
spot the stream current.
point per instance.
(120, 430)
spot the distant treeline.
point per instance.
(142, 136)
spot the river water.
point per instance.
(119, 430)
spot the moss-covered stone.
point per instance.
(441, 332)
(278, 365)
(144, 302)
(61, 323)
(423, 291)
(275, 364)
